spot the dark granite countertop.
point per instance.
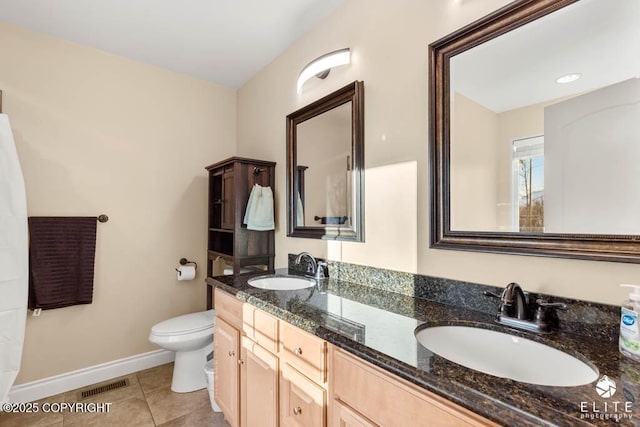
(378, 326)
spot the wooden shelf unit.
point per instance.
(230, 183)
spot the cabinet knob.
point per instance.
(240, 362)
(297, 351)
(232, 353)
(297, 410)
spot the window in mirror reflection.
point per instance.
(324, 169)
(528, 184)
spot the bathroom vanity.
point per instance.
(345, 354)
(269, 372)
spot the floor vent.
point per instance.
(103, 389)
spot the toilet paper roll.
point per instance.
(186, 272)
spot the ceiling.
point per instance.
(599, 39)
(221, 41)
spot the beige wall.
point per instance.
(474, 166)
(97, 133)
(389, 46)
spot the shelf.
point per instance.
(215, 254)
(221, 242)
(221, 230)
(230, 185)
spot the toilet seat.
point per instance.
(186, 324)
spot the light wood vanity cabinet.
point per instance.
(259, 372)
(302, 402)
(269, 373)
(259, 386)
(303, 388)
(343, 416)
(304, 352)
(246, 368)
(276, 377)
(226, 348)
(365, 395)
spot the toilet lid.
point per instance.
(185, 324)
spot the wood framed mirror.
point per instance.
(325, 167)
(534, 136)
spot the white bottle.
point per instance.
(629, 331)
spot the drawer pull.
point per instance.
(297, 351)
(232, 353)
(297, 410)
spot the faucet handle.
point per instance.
(321, 270)
(491, 294)
(547, 304)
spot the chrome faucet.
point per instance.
(514, 310)
(315, 269)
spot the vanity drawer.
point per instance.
(388, 400)
(260, 327)
(305, 352)
(303, 403)
(228, 308)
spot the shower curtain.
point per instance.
(14, 273)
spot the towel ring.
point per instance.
(257, 170)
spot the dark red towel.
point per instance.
(61, 260)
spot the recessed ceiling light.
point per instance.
(568, 78)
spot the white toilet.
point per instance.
(191, 337)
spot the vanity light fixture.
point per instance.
(568, 78)
(321, 66)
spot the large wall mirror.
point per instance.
(325, 161)
(535, 136)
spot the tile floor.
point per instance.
(147, 401)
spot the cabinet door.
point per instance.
(302, 402)
(343, 416)
(228, 201)
(226, 371)
(259, 379)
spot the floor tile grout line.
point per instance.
(146, 402)
(150, 413)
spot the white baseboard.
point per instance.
(28, 392)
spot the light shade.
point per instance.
(324, 63)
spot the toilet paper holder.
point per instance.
(184, 261)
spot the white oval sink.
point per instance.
(506, 356)
(281, 283)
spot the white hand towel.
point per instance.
(259, 213)
(250, 204)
